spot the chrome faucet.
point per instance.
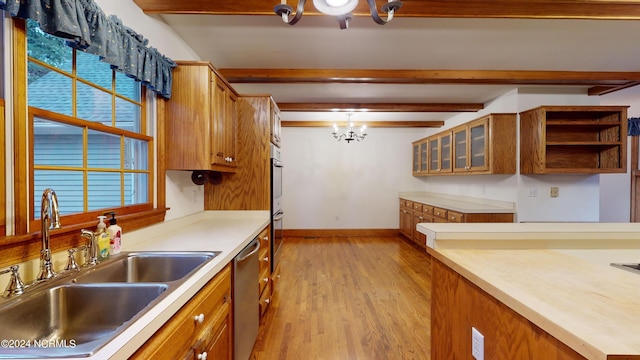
(50, 219)
(91, 247)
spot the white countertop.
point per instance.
(225, 231)
(463, 204)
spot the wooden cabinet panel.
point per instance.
(192, 325)
(201, 120)
(420, 157)
(276, 124)
(265, 300)
(439, 212)
(573, 139)
(457, 305)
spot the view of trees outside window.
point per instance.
(89, 143)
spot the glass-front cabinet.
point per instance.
(470, 147)
(486, 145)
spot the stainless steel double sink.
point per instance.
(78, 312)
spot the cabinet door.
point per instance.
(223, 144)
(416, 158)
(445, 152)
(434, 155)
(478, 146)
(221, 347)
(424, 157)
(460, 150)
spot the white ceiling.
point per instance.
(406, 43)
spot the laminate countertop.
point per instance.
(225, 231)
(463, 204)
(588, 305)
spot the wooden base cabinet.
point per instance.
(264, 272)
(457, 305)
(203, 325)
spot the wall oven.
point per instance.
(276, 206)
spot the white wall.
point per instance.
(358, 182)
(182, 196)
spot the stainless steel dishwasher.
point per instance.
(246, 311)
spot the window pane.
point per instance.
(136, 154)
(56, 144)
(136, 187)
(90, 68)
(68, 186)
(48, 48)
(103, 190)
(103, 150)
(127, 86)
(127, 115)
(93, 104)
(42, 82)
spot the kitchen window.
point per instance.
(88, 137)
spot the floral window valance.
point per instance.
(86, 27)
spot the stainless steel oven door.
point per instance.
(276, 236)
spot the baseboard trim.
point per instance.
(339, 232)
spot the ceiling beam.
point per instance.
(533, 9)
(381, 107)
(477, 77)
(371, 124)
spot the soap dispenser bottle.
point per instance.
(115, 234)
(103, 239)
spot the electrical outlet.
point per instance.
(477, 344)
(533, 192)
(554, 191)
(337, 217)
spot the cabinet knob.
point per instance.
(199, 318)
(202, 356)
(266, 279)
(265, 259)
(278, 276)
(453, 218)
(266, 301)
(466, 168)
(266, 238)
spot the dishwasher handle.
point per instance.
(241, 257)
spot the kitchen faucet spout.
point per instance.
(50, 219)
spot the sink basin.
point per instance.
(72, 320)
(76, 314)
(153, 267)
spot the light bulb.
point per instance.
(337, 3)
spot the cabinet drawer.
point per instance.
(265, 300)
(263, 280)
(264, 262)
(417, 206)
(427, 210)
(275, 278)
(439, 220)
(454, 216)
(439, 212)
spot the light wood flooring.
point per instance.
(345, 298)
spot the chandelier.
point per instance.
(338, 8)
(349, 135)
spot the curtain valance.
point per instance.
(633, 128)
(86, 27)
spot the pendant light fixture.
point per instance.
(341, 9)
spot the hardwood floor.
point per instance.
(349, 298)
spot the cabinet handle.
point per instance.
(202, 356)
(266, 301)
(467, 168)
(420, 217)
(199, 318)
(266, 279)
(453, 217)
(265, 259)
(266, 238)
(278, 276)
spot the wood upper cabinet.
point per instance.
(420, 157)
(573, 139)
(201, 120)
(204, 324)
(486, 145)
(276, 124)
